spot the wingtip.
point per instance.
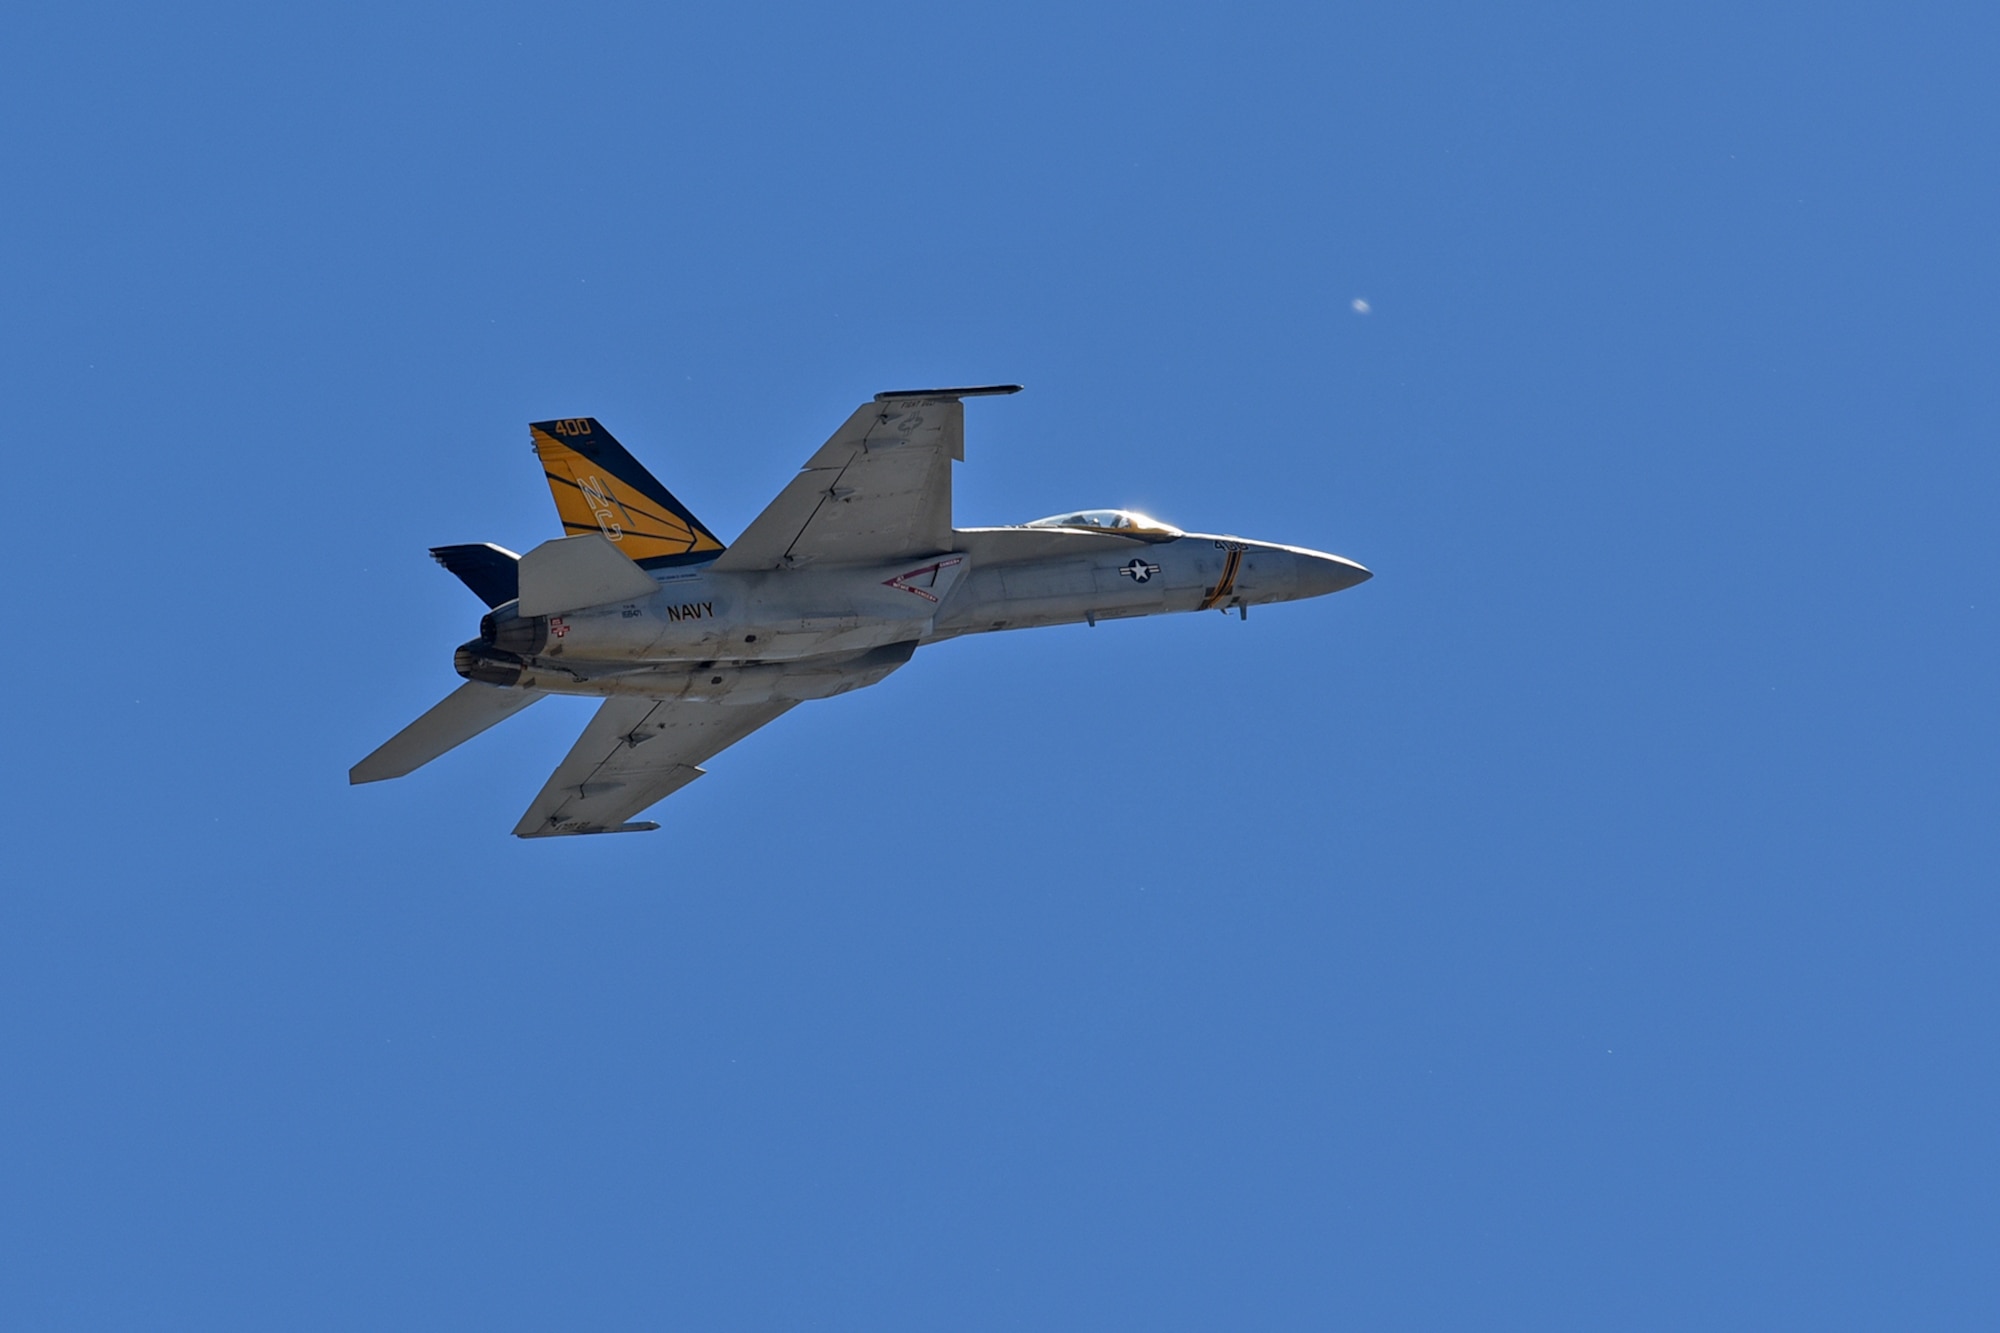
(968, 391)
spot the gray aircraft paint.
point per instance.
(789, 614)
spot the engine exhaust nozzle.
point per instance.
(488, 666)
(523, 636)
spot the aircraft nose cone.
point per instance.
(1322, 574)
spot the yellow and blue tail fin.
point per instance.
(599, 487)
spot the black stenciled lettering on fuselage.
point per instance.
(691, 611)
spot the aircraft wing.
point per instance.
(879, 490)
(633, 753)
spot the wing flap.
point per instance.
(878, 490)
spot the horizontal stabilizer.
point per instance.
(571, 573)
(483, 567)
(456, 719)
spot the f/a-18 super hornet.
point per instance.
(693, 645)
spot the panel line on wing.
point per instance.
(894, 460)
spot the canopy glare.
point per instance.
(1110, 520)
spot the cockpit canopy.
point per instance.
(1124, 522)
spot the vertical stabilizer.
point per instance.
(599, 487)
(489, 570)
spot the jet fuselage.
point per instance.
(810, 632)
(693, 643)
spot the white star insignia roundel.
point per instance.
(1138, 570)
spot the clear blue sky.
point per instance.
(1589, 923)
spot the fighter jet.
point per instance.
(693, 645)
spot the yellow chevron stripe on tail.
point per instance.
(599, 487)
